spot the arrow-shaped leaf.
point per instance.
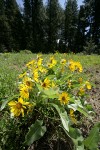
(91, 142)
(63, 116)
(35, 132)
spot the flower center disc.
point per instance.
(19, 105)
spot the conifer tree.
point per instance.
(15, 24)
(92, 11)
(27, 17)
(71, 17)
(4, 29)
(38, 25)
(52, 24)
(81, 30)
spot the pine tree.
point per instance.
(52, 24)
(38, 25)
(27, 16)
(92, 10)
(4, 29)
(96, 23)
(71, 16)
(15, 24)
(81, 30)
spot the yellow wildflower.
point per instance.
(46, 83)
(81, 91)
(22, 75)
(31, 63)
(28, 82)
(41, 69)
(39, 61)
(52, 62)
(73, 66)
(63, 61)
(80, 80)
(17, 107)
(64, 98)
(36, 75)
(78, 66)
(24, 92)
(88, 85)
(72, 115)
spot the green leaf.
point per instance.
(39, 87)
(77, 138)
(3, 105)
(51, 93)
(63, 116)
(84, 112)
(35, 132)
(5, 101)
(91, 142)
(73, 106)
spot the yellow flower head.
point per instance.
(52, 62)
(17, 107)
(39, 61)
(28, 82)
(22, 75)
(64, 98)
(36, 75)
(30, 64)
(88, 85)
(72, 115)
(80, 80)
(73, 66)
(81, 91)
(63, 61)
(78, 66)
(46, 83)
(24, 92)
(43, 70)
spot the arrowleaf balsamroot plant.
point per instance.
(51, 91)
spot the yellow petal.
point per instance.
(24, 107)
(12, 103)
(22, 111)
(20, 100)
(12, 110)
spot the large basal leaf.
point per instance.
(63, 116)
(91, 142)
(35, 132)
(77, 138)
(84, 112)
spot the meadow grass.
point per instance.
(12, 64)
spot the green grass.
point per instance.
(12, 64)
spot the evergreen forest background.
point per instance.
(49, 28)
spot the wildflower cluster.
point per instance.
(52, 83)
